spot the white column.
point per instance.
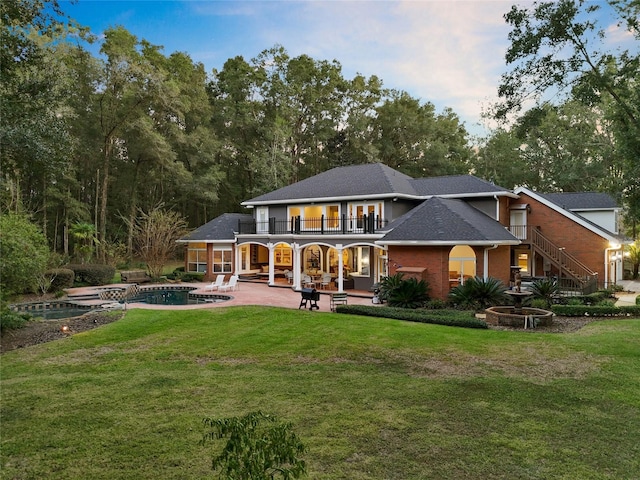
(272, 275)
(297, 266)
(340, 268)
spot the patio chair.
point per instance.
(216, 285)
(338, 299)
(326, 281)
(232, 285)
(307, 282)
(288, 275)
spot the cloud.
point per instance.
(448, 53)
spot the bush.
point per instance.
(23, 254)
(478, 293)
(10, 320)
(438, 317)
(192, 277)
(540, 303)
(92, 274)
(545, 289)
(595, 311)
(258, 447)
(398, 292)
(61, 278)
(638, 300)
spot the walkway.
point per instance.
(631, 291)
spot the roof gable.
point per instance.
(447, 222)
(582, 200)
(579, 219)
(367, 180)
(221, 228)
(459, 185)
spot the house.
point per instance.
(362, 222)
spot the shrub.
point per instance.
(92, 274)
(60, 278)
(595, 310)
(23, 254)
(192, 277)
(259, 447)
(388, 285)
(638, 300)
(410, 293)
(478, 293)
(539, 303)
(435, 304)
(545, 289)
(439, 317)
(10, 320)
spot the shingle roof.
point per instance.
(581, 200)
(447, 221)
(354, 180)
(220, 228)
(454, 185)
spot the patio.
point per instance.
(247, 293)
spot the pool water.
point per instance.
(173, 297)
(59, 313)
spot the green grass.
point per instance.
(370, 398)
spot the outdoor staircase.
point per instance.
(574, 275)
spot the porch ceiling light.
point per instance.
(614, 246)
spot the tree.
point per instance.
(34, 138)
(634, 258)
(410, 137)
(555, 47)
(259, 447)
(24, 254)
(155, 234)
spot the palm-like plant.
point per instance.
(545, 289)
(478, 293)
(409, 293)
(388, 285)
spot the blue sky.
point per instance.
(449, 52)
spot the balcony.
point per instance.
(367, 224)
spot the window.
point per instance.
(282, 255)
(360, 262)
(222, 260)
(197, 257)
(523, 262)
(311, 216)
(357, 212)
(462, 264)
(262, 220)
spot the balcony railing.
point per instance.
(316, 226)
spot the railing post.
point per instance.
(322, 224)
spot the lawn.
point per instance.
(370, 398)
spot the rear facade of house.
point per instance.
(348, 227)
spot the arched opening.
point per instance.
(462, 264)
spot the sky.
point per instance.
(447, 52)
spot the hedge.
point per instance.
(596, 310)
(92, 274)
(438, 317)
(61, 278)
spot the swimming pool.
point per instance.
(174, 296)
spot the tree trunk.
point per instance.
(102, 231)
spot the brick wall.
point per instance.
(436, 261)
(582, 243)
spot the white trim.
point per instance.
(372, 197)
(449, 243)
